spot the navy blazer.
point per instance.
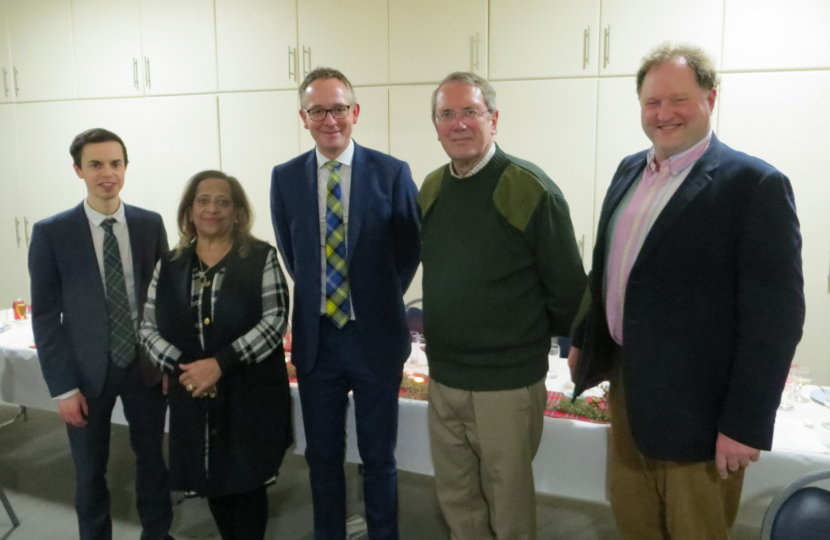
(714, 308)
(384, 248)
(69, 308)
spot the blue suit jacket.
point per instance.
(383, 241)
(714, 308)
(69, 309)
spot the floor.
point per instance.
(37, 473)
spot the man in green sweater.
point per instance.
(502, 275)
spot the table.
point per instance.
(571, 458)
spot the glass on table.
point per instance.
(788, 396)
(416, 353)
(553, 359)
(802, 376)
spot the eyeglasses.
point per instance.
(318, 114)
(448, 117)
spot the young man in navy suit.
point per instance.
(347, 225)
(90, 268)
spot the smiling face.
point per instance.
(213, 211)
(102, 169)
(675, 111)
(331, 134)
(465, 139)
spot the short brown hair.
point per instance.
(243, 213)
(326, 73)
(94, 135)
(466, 77)
(696, 58)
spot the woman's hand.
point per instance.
(200, 377)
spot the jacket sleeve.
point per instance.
(406, 218)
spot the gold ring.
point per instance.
(189, 387)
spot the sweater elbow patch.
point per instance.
(517, 195)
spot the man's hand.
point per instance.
(74, 410)
(573, 362)
(200, 376)
(730, 455)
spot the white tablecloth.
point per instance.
(571, 458)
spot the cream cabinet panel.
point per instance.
(179, 44)
(432, 38)
(7, 91)
(770, 34)
(256, 44)
(126, 118)
(789, 136)
(559, 137)
(349, 35)
(543, 38)
(107, 39)
(372, 128)
(40, 36)
(631, 29)
(182, 137)
(14, 279)
(258, 130)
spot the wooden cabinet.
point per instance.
(179, 45)
(107, 42)
(256, 44)
(430, 39)
(786, 137)
(769, 34)
(629, 30)
(349, 35)
(7, 90)
(553, 125)
(544, 38)
(412, 135)
(40, 38)
(14, 279)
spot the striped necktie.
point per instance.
(337, 282)
(122, 332)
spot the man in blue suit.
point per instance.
(90, 268)
(697, 305)
(347, 226)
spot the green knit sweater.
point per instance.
(502, 274)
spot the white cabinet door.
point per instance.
(48, 182)
(258, 130)
(770, 34)
(256, 44)
(631, 29)
(182, 136)
(179, 43)
(349, 35)
(792, 138)
(107, 38)
(14, 279)
(559, 137)
(40, 35)
(7, 91)
(430, 39)
(543, 38)
(372, 128)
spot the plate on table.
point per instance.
(820, 396)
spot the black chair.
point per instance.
(799, 512)
(415, 316)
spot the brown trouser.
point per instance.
(483, 444)
(665, 500)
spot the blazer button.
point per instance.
(207, 320)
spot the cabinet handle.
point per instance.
(5, 82)
(306, 68)
(607, 51)
(581, 245)
(16, 89)
(135, 73)
(17, 230)
(828, 283)
(147, 72)
(586, 47)
(292, 63)
(474, 42)
(26, 229)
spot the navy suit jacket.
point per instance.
(714, 308)
(383, 241)
(69, 309)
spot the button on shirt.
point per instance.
(345, 172)
(633, 219)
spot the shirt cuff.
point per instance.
(66, 395)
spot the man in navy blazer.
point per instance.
(696, 308)
(71, 319)
(349, 326)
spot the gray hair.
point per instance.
(326, 73)
(696, 58)
(465, 77)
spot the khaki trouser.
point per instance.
(483, 444)
(665, 500)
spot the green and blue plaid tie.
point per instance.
(337, 282)
(122, 332)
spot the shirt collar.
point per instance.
(344, 159)
(480, 165)
(96, 218)
(683, 160)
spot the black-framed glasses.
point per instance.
(318, 114)
(448, 117)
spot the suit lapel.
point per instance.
(615, 196)
(357, 199)
(309, 202)
(136, 232)
(86, 250)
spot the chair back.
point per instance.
(799, 512)
(415, 315)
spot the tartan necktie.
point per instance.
(338, 307)
(122, 332)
